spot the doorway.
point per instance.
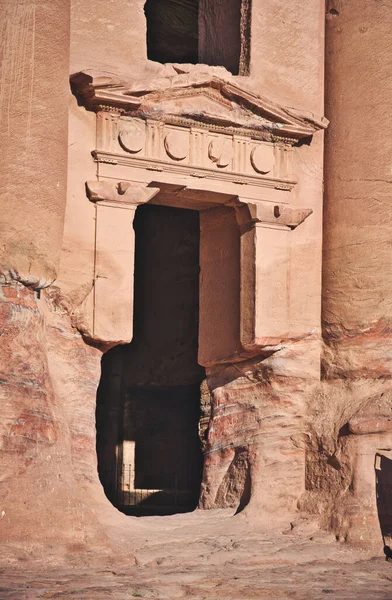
(148, 401)
(383, 472)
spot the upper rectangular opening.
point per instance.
(200, 31)
(172, 30)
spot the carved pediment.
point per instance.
(196, 97)
(194, 122)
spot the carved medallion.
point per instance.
(177, 144)
(220, 151)
(262, 159)
(132, 135)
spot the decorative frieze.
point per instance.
(206, 127)
(220, 151)
(176, 142)
(262, 159)
(191, 147)
(132, 135)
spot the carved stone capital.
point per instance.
(281, 215)
(119, 193)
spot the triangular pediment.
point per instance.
(195, 96)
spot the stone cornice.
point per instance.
(199, 98)
(155, 166)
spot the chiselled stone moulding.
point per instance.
(262, 159)
(207, 127)
(220, 151)
(132, 135)
(177, 144)
(216, 148)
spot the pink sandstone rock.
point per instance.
(223, 297)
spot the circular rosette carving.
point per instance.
(220, 151)
(132, 135)
(262, 159)
(177, 144)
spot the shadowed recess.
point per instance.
(172, 30)
(220, 33)
(383, 469)
(200, 31)
(148, 402)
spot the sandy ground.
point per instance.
(210, 554)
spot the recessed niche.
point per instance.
(172, 30)
(148, 403)
(200, 31)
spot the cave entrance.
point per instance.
(148, 402)
(383, 471)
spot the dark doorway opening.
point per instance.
(148, 401)
(383, 469)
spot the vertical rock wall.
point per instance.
(352, 413)
(49, 487)
(259, 432)
(255, 453)
(109, 36)
(48, 375)
(34, 63)
(34, 56)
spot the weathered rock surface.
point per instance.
(52, 502)
(211, 555)
(256, 439)
(350, 416)
(296, 411)
(34, 59)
